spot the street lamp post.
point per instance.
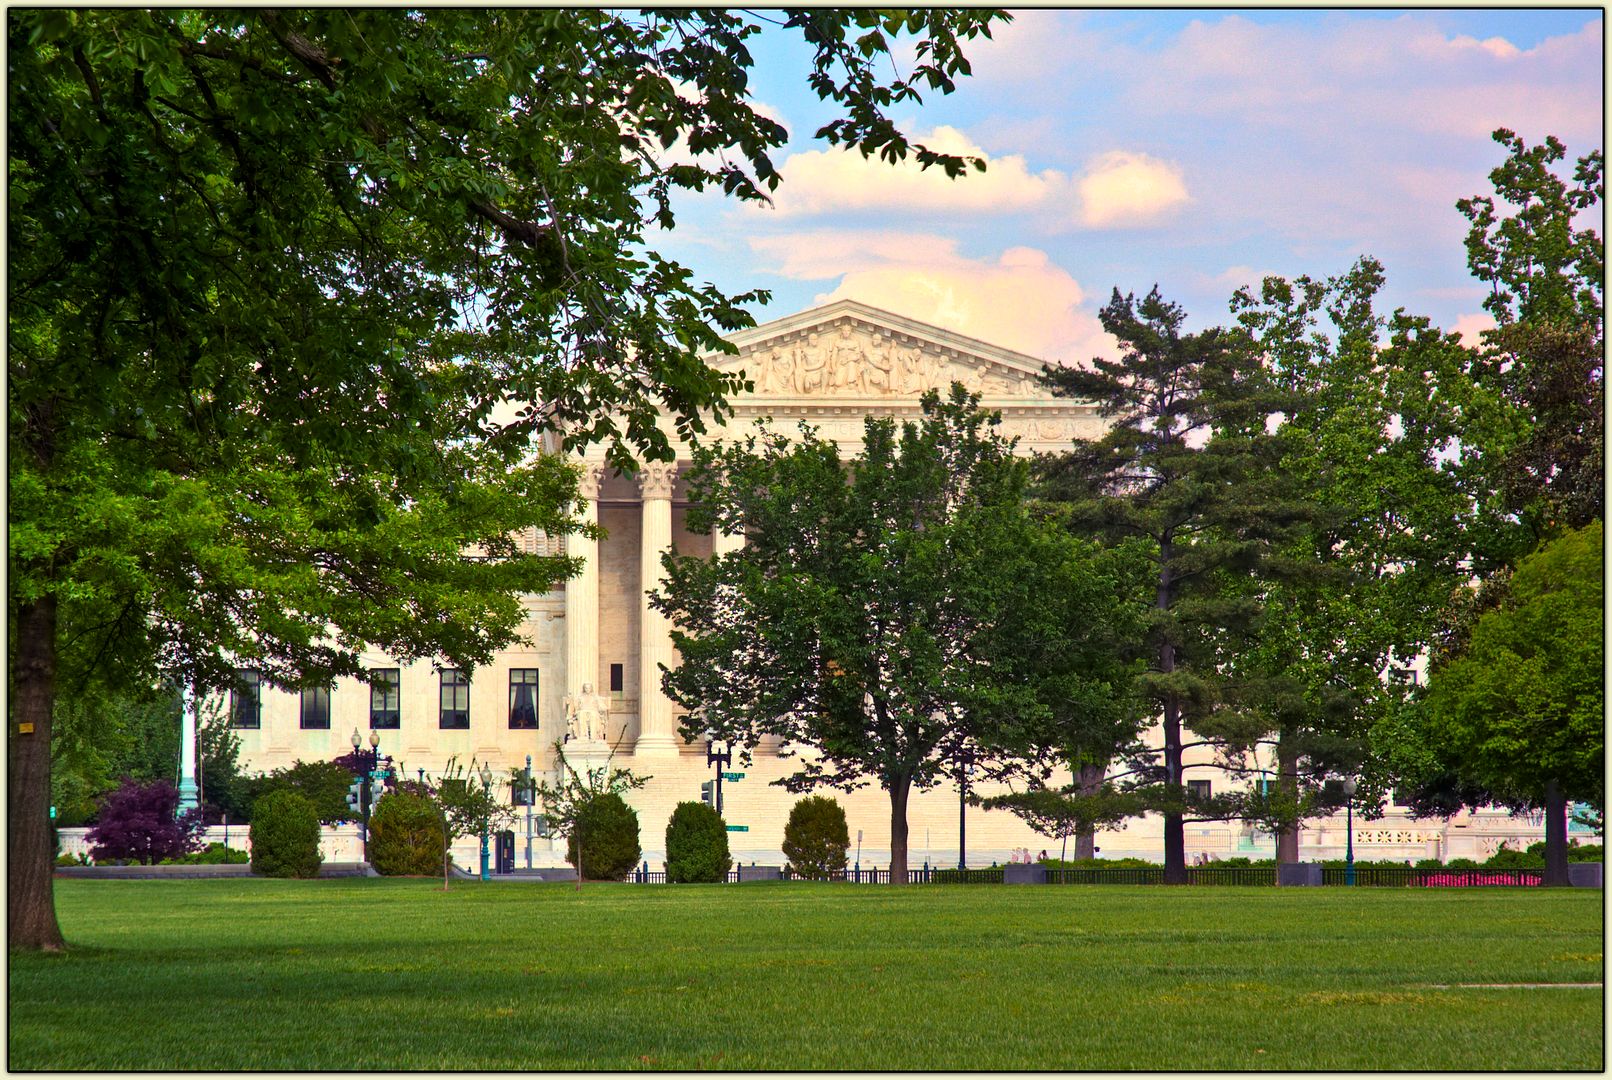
(1349, 787)
(531, 797)
(721, 759)
(369, 761)
(486, 790)
(964, 771)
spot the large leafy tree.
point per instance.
(291, 294)
(1546, 278)
(1187, 475)
(1520, 714)
(891, 615)
(1375, 407)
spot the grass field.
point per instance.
(392, 974)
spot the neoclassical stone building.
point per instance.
(590, 664)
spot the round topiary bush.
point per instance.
(816, 839)
(608, 830)
(696, 844)
(406, 836)
(285, 836)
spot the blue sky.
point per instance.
(1195, 149)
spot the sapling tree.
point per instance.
(569, 801)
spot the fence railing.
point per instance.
(1400, 877)
(1429, 877)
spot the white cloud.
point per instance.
(1121, 188)
(1471, 327)
(1019, 300)
(837, 180)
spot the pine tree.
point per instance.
(1185, 474)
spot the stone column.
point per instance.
(582, 592)
(657, 734)
(721, 544)
(188, 789)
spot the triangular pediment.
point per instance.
(851, 350)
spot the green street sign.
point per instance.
(738, 828)
(731, 777)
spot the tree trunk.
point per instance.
(1287, 786)
(1175, 830)
(1555, 834)
(31, 923)
(1090, 778)
(899, 788)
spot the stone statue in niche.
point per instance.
(584, 715)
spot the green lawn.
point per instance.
(377, 974)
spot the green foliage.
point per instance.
(285, 835)
(1462, 864)
(469, 802)
(816, 837)
(1186, 477)
(578, 802)
(696, 845)
(407, 835)
(323, 783)
(1376, 404)
(214, 854)
(1538, 266)
(605, 829)
(1545, 358)
(297, 293)
(895, 612)
(1525, 705)
(1506, 858)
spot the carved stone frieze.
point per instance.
(848, 359)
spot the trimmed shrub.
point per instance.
(215, 854)
(1506, 858)
(697, 845)
(1461, 864)
(406, 836)
(608, 828)
(1429, 864)
(285, 836)
(138, 824)
(816, 839)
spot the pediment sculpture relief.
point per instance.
(844, 361)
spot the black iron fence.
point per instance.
(1429, 877)
(1401, 877)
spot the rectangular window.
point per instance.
(615, 679)
(523, 697)
(246, 700)
(386, 699)
(1198, 789)
(455, 711)
(316, 708)
(1266, 786)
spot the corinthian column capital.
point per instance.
(588, 483)
(656, 478)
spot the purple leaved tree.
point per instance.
(141, 821)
